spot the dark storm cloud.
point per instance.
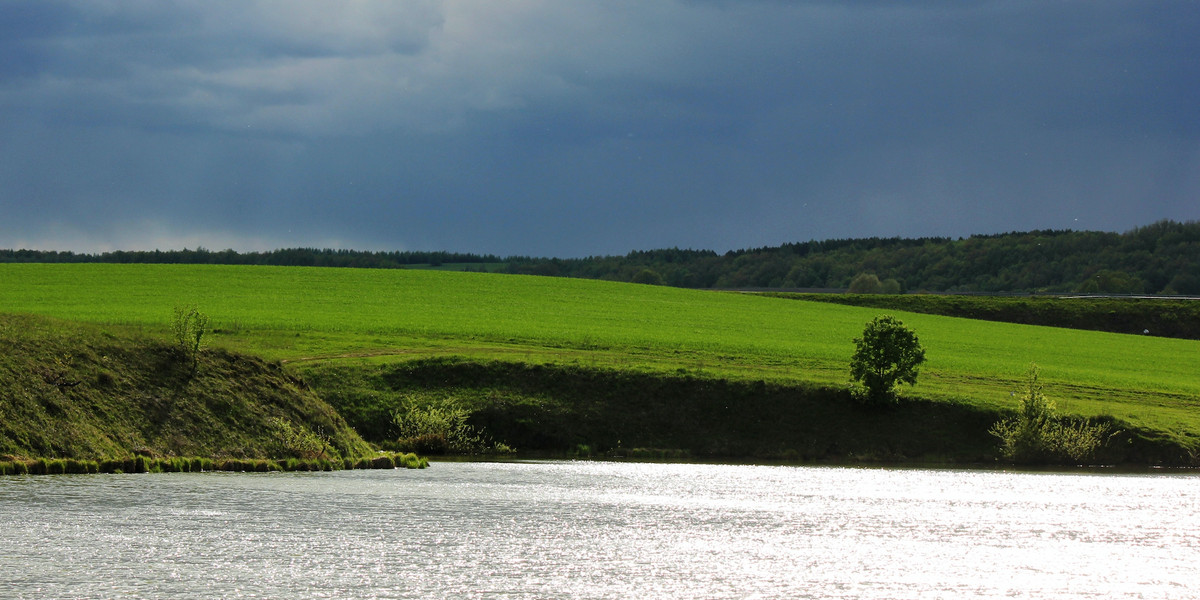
(573, 128)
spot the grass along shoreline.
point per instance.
(140, 464)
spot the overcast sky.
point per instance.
(578, 127)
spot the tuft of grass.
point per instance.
(409, 460)
(14, 467)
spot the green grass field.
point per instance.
(296, 313)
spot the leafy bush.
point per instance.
(440, 429)
(887, 353)
(1038, 436)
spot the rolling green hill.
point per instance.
(310, 316)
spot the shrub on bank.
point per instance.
(1037, 435)
(440, 428)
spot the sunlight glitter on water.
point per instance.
(601, 530)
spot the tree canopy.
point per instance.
(887, 354)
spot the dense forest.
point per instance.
(1161, 258)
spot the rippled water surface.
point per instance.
(601, 530)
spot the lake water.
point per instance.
(601, 530)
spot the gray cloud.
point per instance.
(574, 128)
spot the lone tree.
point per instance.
(887, 353)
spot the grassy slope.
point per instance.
(299, 313)
(73, 390)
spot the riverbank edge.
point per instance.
(141, 464)
(571, 411)
(996, 466)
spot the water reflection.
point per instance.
(600, 530)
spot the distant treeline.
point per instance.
(1161, 258)
(288, 257)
